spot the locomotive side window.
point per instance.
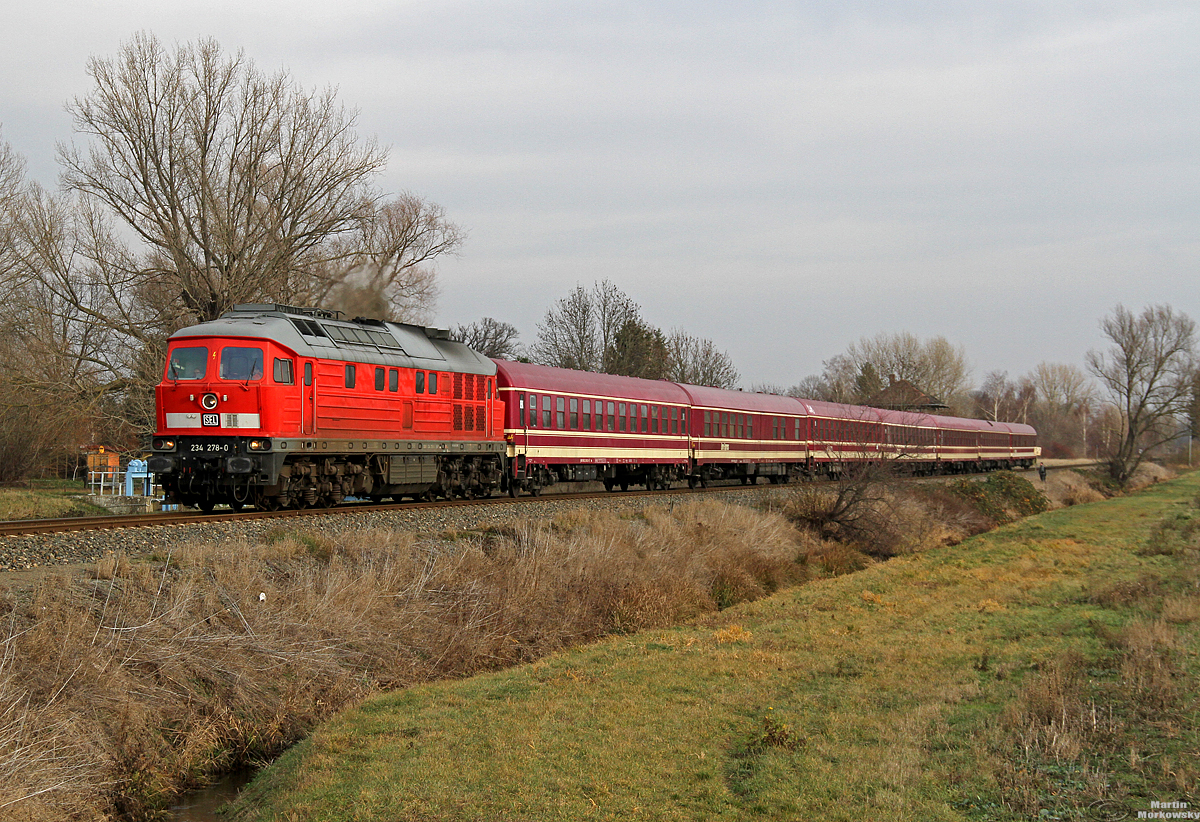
(419, 382)
(308, 373)
(242, 364)
(432, 382)
(283, 372)
(188, 363)
(393, 380)
(380, 376)
(350, 375)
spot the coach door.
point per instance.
(308, 400)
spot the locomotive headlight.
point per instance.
(259, 445)
(161, 444)
(209, 401)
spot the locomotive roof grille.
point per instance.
(319, 313)
(361, 336)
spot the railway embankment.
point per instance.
(1048, 669)
(144, 672)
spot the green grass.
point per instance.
(47, 499)
(912, 690)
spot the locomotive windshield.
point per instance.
(243, 364)
(187, 363)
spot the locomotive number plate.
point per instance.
(209, 447)
(210, 420)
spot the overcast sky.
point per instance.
(781, 177)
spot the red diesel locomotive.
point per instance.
(278, 406)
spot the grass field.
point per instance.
(1046, 670)
(46, 499)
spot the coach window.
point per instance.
(432, 382)
(645, 415)
(393, 380)
(532, 412)
(674, 420)
(419, 382)
(380, 377)
(654, 419)
(241, 364)
(560, 413)
(350, 375)
(612, 416)
(574, 414)
(547, 413)
(283, 372)
(587, 415)
(621, 412)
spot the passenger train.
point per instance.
(277, 406)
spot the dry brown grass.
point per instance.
(1066, 488)
(143, 678)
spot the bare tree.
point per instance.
(1002, 400)
(241, 186)
(812, 387)
(582, 326)
(490, 337)
(1147, 373)
(696, 361)
(934, 366)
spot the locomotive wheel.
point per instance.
(512, 490)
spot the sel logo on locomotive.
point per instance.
(210, 419)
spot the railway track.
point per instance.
(174, 518)
(160, 519)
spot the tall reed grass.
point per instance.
(142, 678)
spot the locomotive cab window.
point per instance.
(188, 363)
(380, 377)
(350, 375)
(241, 364)
(308, 373)
(432, 384)
(283, 372)
(393, 380)
(419, 382)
